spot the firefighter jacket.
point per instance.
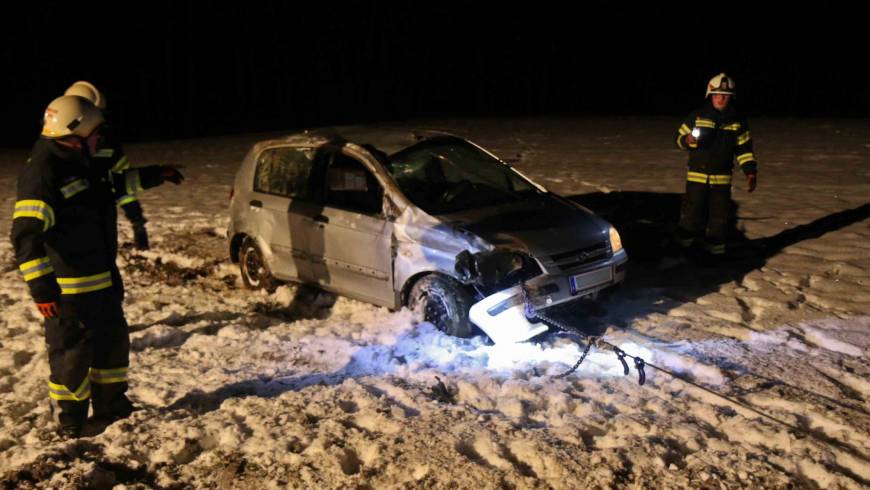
(110, 155)
(64, 226)
(722, 136)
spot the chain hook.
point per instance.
(639, 364)
(621, 355)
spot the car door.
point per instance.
(351, 246)
(282, 201)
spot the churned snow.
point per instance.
(242, 389)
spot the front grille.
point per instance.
(567, 261)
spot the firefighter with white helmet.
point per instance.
(721, 84)
(714, 136)
(88, 91)
(64, 233)
(70, 116)
(113, 157)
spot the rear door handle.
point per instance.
(256, 204)
(321, 219)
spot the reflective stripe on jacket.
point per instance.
(722, 137)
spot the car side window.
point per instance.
(284, 172)
(350, 185)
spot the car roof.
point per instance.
(321, 136)
(305, 138)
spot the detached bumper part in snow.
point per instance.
(502, 317)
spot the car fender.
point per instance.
(425, 244)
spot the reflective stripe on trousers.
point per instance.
(108, 376)
(711, 179)
(61, 392)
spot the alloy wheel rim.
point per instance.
(253, 267)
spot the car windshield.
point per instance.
(446, 175)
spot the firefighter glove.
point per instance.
(751, 181)
(48, 309)
(171, 174)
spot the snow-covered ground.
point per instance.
(247, 390)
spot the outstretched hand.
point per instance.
(751, 182)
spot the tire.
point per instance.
(443, 302)
(252, 265)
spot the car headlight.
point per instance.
(615, 241)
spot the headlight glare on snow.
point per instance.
(615, 241)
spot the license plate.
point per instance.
(587, 280)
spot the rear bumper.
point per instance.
(233, 244)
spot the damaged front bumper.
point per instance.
(505, 317)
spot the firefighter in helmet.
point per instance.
(714, 135)
(115, 159)
(64, 233)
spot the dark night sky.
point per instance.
(173, 69)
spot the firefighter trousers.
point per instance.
(704, 215)
(134, 213)
(88, 355)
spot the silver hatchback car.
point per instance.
(442, 226)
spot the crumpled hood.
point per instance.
(540, 225)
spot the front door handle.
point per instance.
(256, 204)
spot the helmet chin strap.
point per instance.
(70, 143)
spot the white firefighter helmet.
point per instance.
(721, 84)
(88, 91)
(71, 115)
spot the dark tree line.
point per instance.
(177, 69)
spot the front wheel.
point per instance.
(443, 302)
(252, 265)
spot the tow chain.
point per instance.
(591, 341)
(640, 365)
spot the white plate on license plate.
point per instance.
(587, 280)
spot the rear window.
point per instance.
(284, 172)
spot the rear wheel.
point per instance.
(255, 272)
(443, 302)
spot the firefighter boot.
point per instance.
(70, 417)
(110, 405)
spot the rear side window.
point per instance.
(284, 172)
